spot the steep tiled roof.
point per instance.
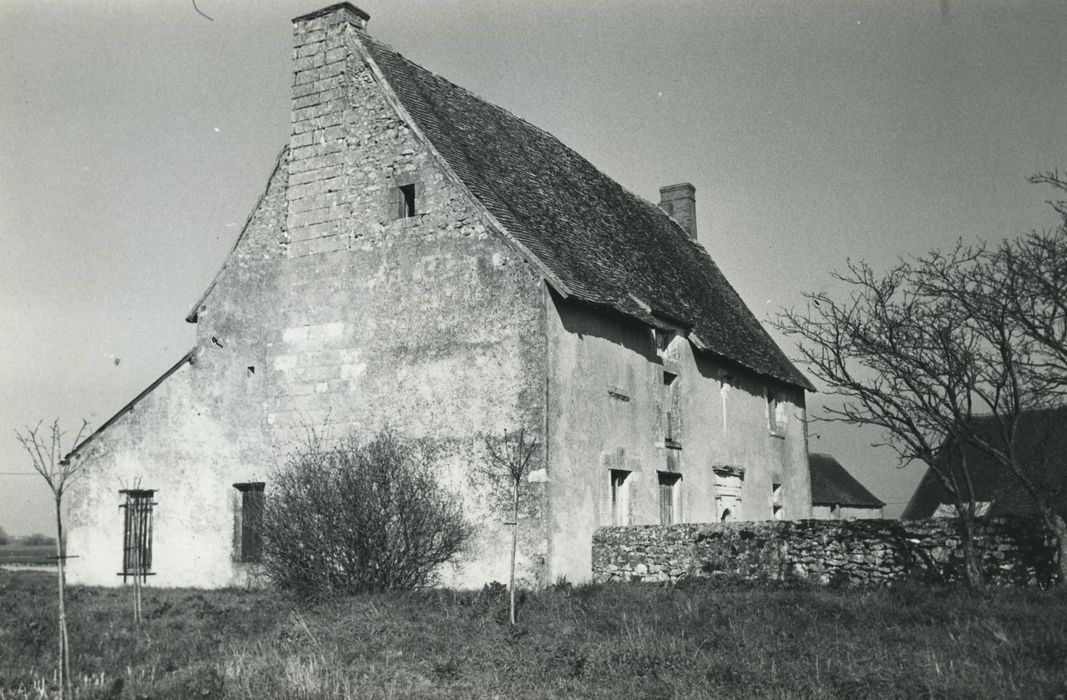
(1041, 441)
(831, 484)
(606, 246)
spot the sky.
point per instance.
(135, 136)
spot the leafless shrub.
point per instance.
(347, 518)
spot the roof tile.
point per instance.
(831, 484)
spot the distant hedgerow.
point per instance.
(347, 518)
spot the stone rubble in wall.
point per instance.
(1014, 551)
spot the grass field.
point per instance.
(28, 554)
(612, 641)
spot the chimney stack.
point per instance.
(323, 62)
(333, 14)
(680, 203)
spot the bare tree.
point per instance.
(48, 456)
(1016, 295)
(902, 362)
(509, 458)
(922, 349)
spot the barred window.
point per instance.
(248, 522)
(620, 497)
(137, 533)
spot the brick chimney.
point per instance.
(323, 59)
(680, 203)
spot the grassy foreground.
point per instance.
(607, 641)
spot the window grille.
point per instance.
(248, 545)
(137, 533)
(619, 501)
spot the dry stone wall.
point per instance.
(1014, 551)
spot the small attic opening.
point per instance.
(406, 202)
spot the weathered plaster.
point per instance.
(607, 410)
(333, 314)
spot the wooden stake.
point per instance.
(514, 548)
(66, 688)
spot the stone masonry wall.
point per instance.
(857, 552)
(426, 323)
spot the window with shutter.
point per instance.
(248, 535)
(668, 487)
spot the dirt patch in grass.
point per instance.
(586, 641)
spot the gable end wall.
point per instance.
(353, 321)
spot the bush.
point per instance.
(349, 518)
(38, 540)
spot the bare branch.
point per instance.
(922, 349)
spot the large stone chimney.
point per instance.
(323, 60)
(680, 203)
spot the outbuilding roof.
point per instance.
(1041, 445)
(831, 484)
(599, 242)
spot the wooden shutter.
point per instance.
(251, 523)
(666, 500)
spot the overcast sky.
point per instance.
(136, 136)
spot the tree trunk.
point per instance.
(1058, 525)
(971, 558)
(66, 688)
(514, 548)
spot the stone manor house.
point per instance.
(425, 261)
